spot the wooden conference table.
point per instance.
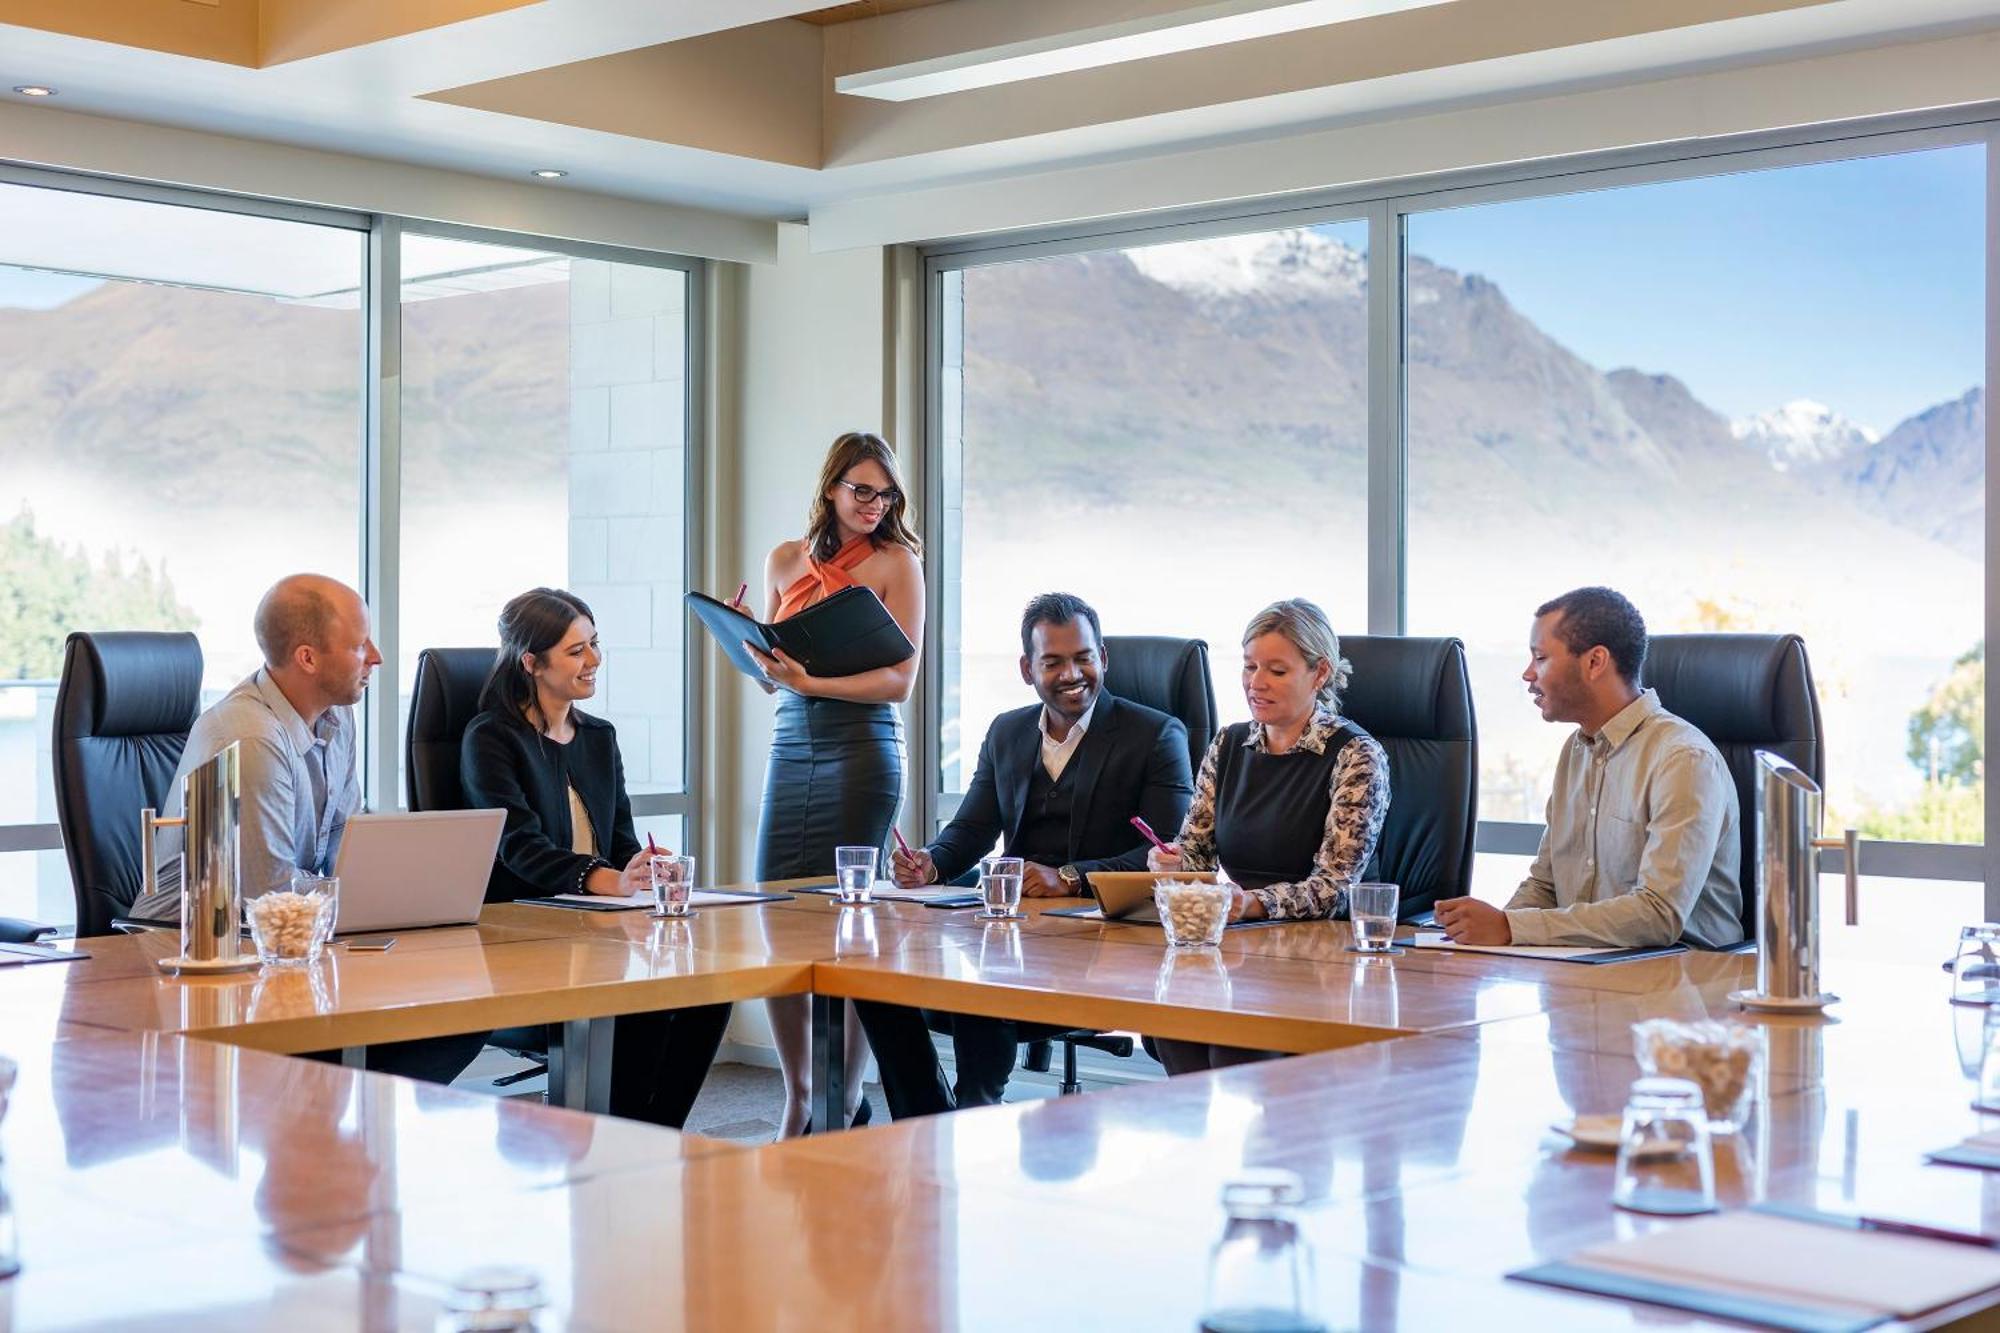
(162, 1178)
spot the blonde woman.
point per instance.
(836, 769)
(1291, 802)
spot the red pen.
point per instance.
(741, 588)
(652, 848)
(1139, 822)
(904, 846)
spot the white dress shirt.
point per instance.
(1056, 753)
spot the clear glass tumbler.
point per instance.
(673, 884)
(1988, 1097)
(1000, 887)
(1975, 970)
(494, 1298)
(1260, 1273)
(1371, 907)
(854, 873)
(1666, 1163)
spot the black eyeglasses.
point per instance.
(868, 495)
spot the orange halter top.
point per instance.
(823, 579)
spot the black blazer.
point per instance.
(506, 765)
(1132, 761)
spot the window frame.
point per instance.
(381, 456)
(1386, 207)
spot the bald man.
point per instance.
(295, 720)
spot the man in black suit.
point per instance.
(1057, 785)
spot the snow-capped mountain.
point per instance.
(1289, 264)
(1802, 433)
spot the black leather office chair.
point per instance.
(1747, 692)
(444, 697)
(1172, 676)
(123, 712)
(1415, 697)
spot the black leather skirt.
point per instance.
(835, 779)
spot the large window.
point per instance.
(185, 392)
(1175, 433)
(183, 411)
(543, 440)
(1750, 402)
(1748, 392)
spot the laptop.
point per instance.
(401, 871)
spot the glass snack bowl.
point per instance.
(290, 927)
(1722, 1059)
(1194, 914)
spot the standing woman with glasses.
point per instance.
(836, 771)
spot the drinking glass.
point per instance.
(673, 884)
(854, 873)
(1260, 1273)
(1975, 972)
(495, 1297)
(1666, 1164)
(1988, 1096)
(1000, 887)
(1372, 908)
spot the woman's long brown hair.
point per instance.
(823, 525)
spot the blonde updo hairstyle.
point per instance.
(1305, 627)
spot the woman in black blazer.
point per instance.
(557, 774)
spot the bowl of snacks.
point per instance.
(1721, 1059)
(290, 927)
(1194, 914)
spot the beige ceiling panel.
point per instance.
(296, 29)
(749, 92)
(224, 30)
(860, 130)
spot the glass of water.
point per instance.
(1000, 887)
(1372, 908)
(1975, 971)
(854, 873)
(1260, 1273)
(1666, 1164)
(673, 884)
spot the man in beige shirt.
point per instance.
(1641, 846)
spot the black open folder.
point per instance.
(845, 635)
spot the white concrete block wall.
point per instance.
(628, 501)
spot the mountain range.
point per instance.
(1127, 372)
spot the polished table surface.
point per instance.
(326, 1197)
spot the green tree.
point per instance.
(47, 591)
(1948, 734)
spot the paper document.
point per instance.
(1435, 939)
(1804, 1264)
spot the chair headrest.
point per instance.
(1737, 688)
(444, 696)
(1406, 687)
(141, 683)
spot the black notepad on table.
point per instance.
(845, 635)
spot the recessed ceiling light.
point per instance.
(549, 173)
(34, 90)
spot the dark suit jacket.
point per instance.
(506, 765)
(1132, 761)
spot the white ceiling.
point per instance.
(368, 100)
